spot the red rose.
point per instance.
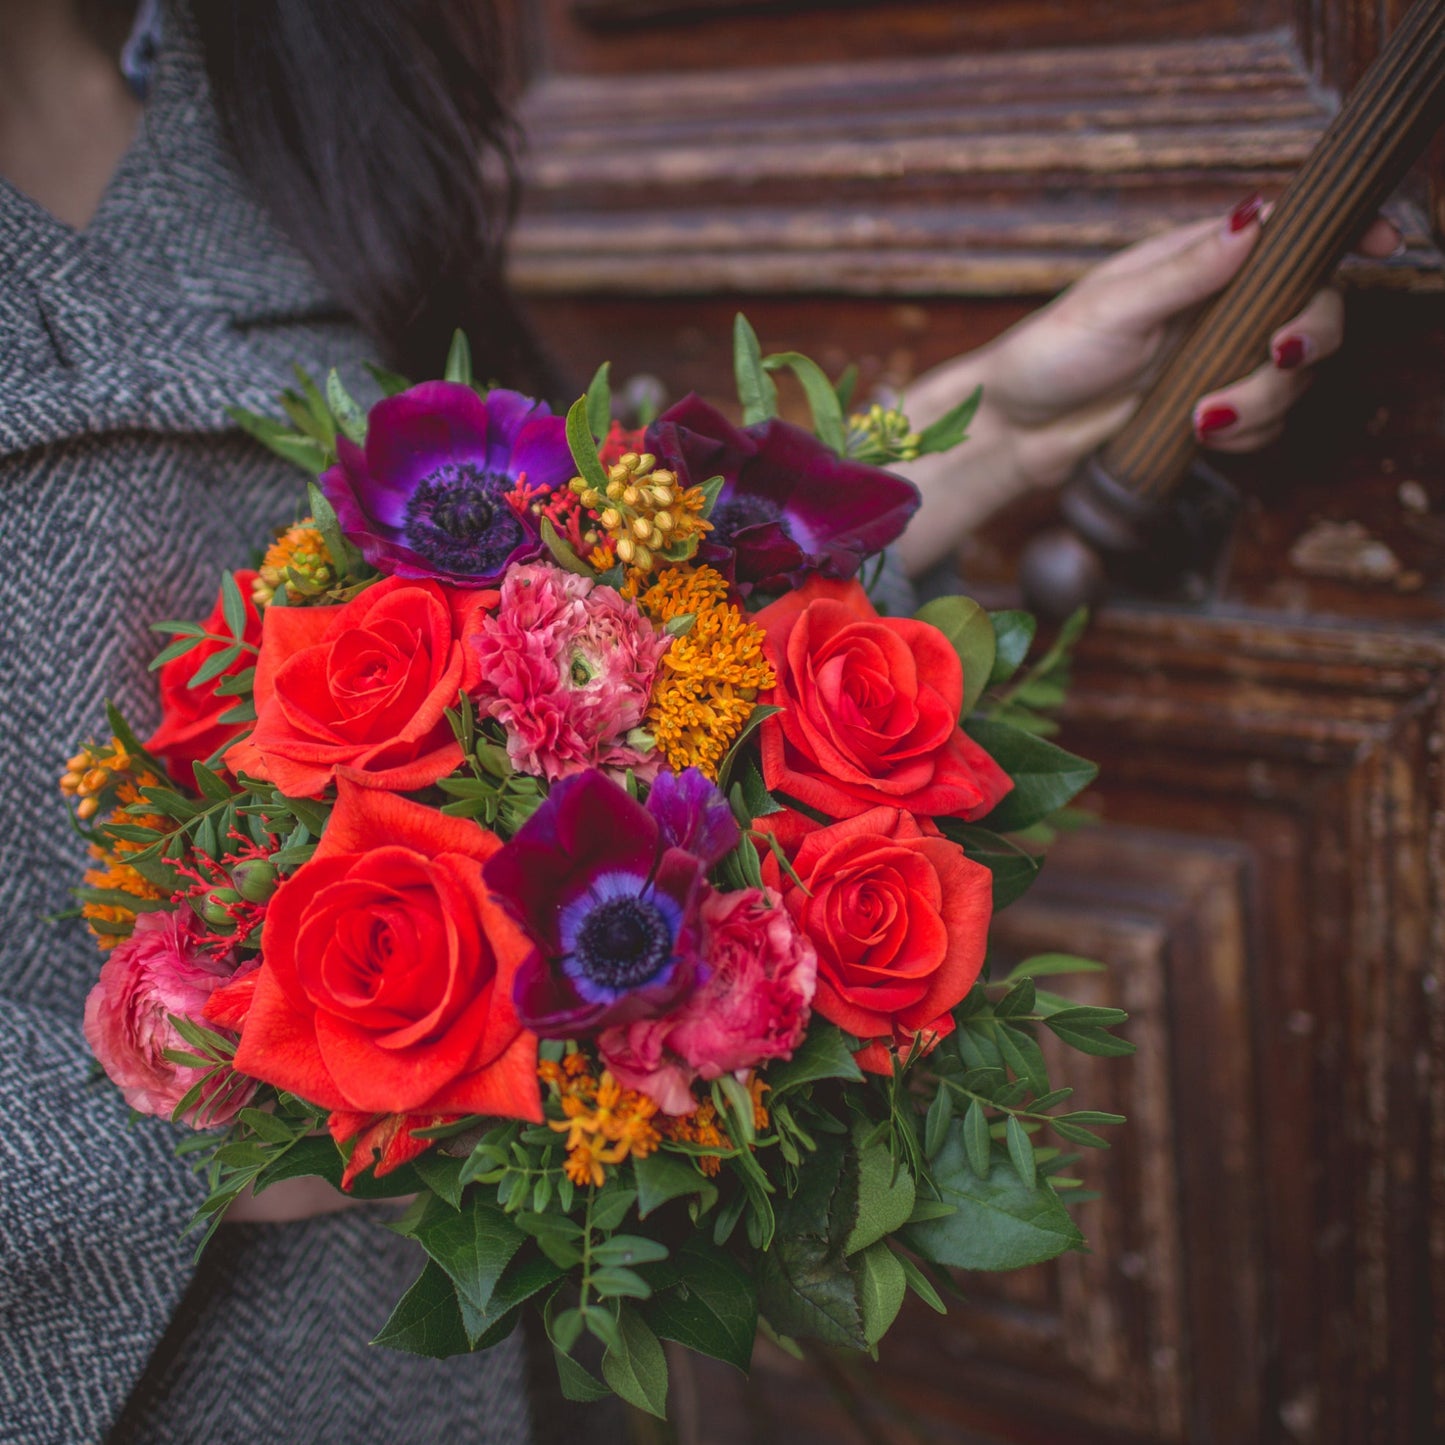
(364, 687)
(899, 917)
(871, 711)
(386, 986)
(191, 728)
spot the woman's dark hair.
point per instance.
(377, 136)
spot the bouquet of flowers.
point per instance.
(552, 829)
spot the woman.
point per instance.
(300, 185)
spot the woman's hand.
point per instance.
(1064, 380)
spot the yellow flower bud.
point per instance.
(663, 478)
(88, 808)
(625, 549)
(641, 528)
(644, 463)
(94, 780)
(642, 558)
(631, 496)
(614, 490)
(611, 519)
(664, 522)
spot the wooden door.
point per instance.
(898, 182)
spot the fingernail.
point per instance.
(1289, 352)
(1213, 419)
(1246, 213)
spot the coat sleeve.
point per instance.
(91, 1211)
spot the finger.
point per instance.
(1317, 332)
(1146, 295)
(1254, 440)
(1258, 403)
(1383, 240)
(1153, 249)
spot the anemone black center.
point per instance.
(732, 516)
(623, 943)
(459, 520)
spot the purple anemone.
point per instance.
(694, 815)
(610, 906)
(789, 505)
(427, 497)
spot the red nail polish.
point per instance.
(1246, 213)
(1213, 419)
(1289, 352)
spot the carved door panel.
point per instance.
(898, 182)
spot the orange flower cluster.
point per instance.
(603, 1122)
(710, 676)
(701, 1128)
(299, 558)
(116, 875)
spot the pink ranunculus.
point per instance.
(567, 669)
(159, 971)
(753, 1006)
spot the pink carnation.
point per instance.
(160, 970)
(567, 669)
(753, 1006)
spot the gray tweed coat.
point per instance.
(123, 493)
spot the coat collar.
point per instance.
(179, 298)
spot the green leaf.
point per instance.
(391, 382)
(756, 718)
(846, 385)
(882, 1285)
(805, 1284)
(825, 1053)
(474, 1245)
(1078, 1135)
(583, 448)
(427, 1319)
(952, 427)
(756, 392)
(975, 1139)
(1020, 1150)
(1090, 1039)
(1014, 632)
(1048, 965)
(459, 360)
(885, 1197)
(999, 1222)
(599, 401)
(611, 1206)
(637, 1368)
(172, 650)
(1013, 868)
(442, 1174)
(970, 633)
(526, 1276)
(299, 451)
(1080, 1014)
(935, 1128)
(712, 1308)
(323, 514)
(664, 1175)
(920, 1284)
(1045, 777)
(345, 408)
(1018, 1000)
(828, 423)
(612, 1283)
(562, 553)
(563, 1329)
(1022, 1054)
(629, 1249)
